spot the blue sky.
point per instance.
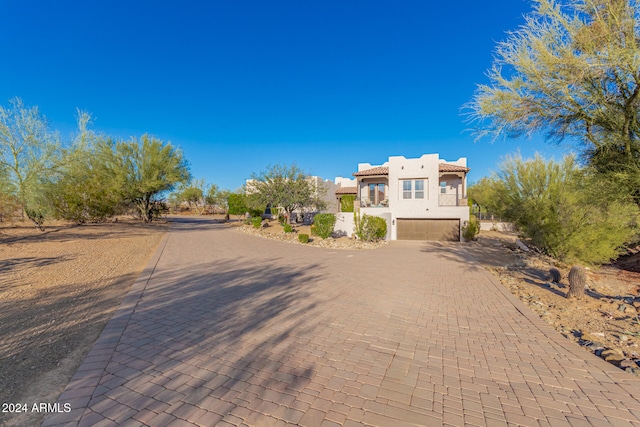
(240, 85)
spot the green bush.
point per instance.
(471, 230)
(287, 228)
(303, 238)
(323, 224)
(563, 209)
(237, 204)
(370, 228)
(255, 212)
(346, 203)
(256, 221)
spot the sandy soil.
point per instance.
(57, 291)
(59, 288)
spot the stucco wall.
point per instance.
(345, 182)
(427, 168)
(327, 191)
(344, 224)
(498, 226)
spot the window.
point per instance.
(419, 185)
(413, 189)
(406, 189)
(443, 187)
(376, 193)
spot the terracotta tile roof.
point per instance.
(380, 170)
(347, 190)
(445, 167)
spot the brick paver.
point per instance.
(224, 328)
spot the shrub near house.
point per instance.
(323, 225)
(370, 228)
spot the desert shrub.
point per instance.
(9, 206)
(256, 221)
(303, 238)
(563, 209)
(346, 203)
(237, 204)
(255, 212)
(471, 230)
(287, 228)
(323, 224)
(370, 228)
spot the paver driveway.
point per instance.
(225, 328)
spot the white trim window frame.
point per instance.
(415, 189)
(406, 188)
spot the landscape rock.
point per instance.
(628, 363)
(521, 245)
(331, 243)
(612, 356)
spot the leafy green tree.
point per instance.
(81, 190)
(571, 71)
(143, 170)
(210, 196)
(483, 194)
(218, 199)
(237, 203)
(287, 187)
(29, 152)
(558, 207)
(9, 203)
(192, 193)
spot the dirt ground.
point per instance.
(59, 288)
(57, 291)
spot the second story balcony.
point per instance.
(367, 203)
(452, 200)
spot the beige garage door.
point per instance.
(429, 229)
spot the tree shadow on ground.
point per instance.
(539, 279)
(39, 332)
(85, 232)
(454, 252)
(222, 330)
(30, 262)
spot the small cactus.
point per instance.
(554, 275)
(577, 281)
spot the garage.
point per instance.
(429, 229)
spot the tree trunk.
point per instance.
(144, 205)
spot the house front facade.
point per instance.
(421, 199)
